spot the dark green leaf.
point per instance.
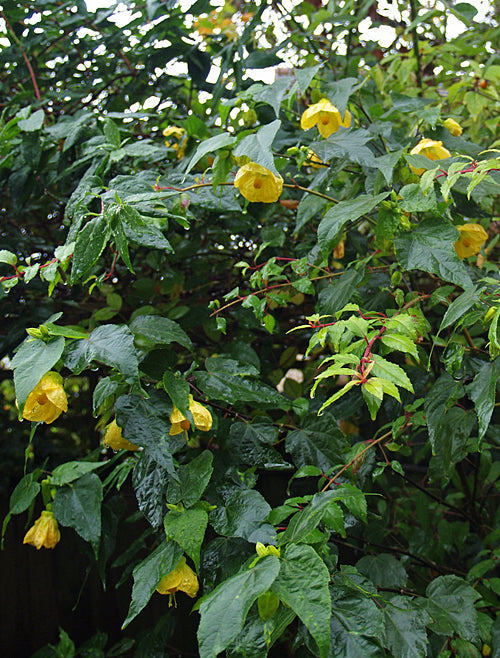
(429, 247)
(89, 246)
(244, 515)
(24, 494)
(258, 636)
(459, 307)
(405, 633)
(258, 146)
(319, 443)
(160, 331)
(178, 390)
(247, 445)
(110, 344)
(78, 505)
(223, 611)
(71, 471)
(187, 527)
(150, 480)
(148, 573)
(383, 570)
(451, 607)
(337, 293)
(482, 392)
(193, 479)
(302, 584)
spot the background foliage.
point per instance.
(144, 277)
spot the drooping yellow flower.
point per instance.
(114, 439)
(453, 127)
(472, 237)
(314, 161)
(181, 579)
(431, 149)
(47, 400)
(326, 116)
(174, 131)
(201, 416)
(256, 183)
(44, 532)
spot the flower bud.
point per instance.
(453, 127)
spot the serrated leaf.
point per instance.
(450, 605)
(319, 443)
(482, 392)
(244, 514)
(160, 331)
(71, 471)
(391, 372)
(405, 633)
(193, 479)
(90, 244)
(400, 343)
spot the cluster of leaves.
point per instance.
(343, 501)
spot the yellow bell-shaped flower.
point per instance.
(201, 416)
(256, 183)
(47, 400)
(453, 127)
(326, 116)
(431, 149)
(44, 532)
(181, 579)
(472, 237)
(115, 440)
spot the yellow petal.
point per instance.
(256, 183)
(170, 583)
(115, 440)
(453, 127)
(47, 400)
(44, 532)
(326, 116)
(430, 149)
(472, 237)
(201, 415)
(189, 583)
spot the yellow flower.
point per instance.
(472, 237)
(180, 135)
(256, 183)
(47, 400)
(453, 127)
(45, 532)
(431, 149)
(201, 416)
(326, 116)
(114, 439)
(181, 579)
(176, 131)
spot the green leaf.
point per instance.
(178, 390)
(89, 246)
(193, 479)
(258, 636)
(247, 444)
(339, 92)
(33, 122)
(258, 146)
(7, 257)
(210, 146)
(357, 621)
(429, 247)
(148, 573)
(482, 392)
(218, 384)
(272, 94)
(336, 294)
(414, 200)
(459, 307)
(78, 505)
(305, 76)
(450, 605)
(307, 519)
(442, 396)
(31, 362)
(349, 144)
(142, 232)
(353, 498)
(405, 633)
(187, 527)
(110, 344)
(244, 515)
(223, 611)
(71, 471)
(160, 331)
(143, 423)
(401, 344)
(111, 132)
(386, 164)
(391, 371)
(150, 480)
(309, 206)
(24, 494)
(384, 570)
(302, 584)
(319, 443)
(332, 224)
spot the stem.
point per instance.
(25, 57)
(416, 48)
